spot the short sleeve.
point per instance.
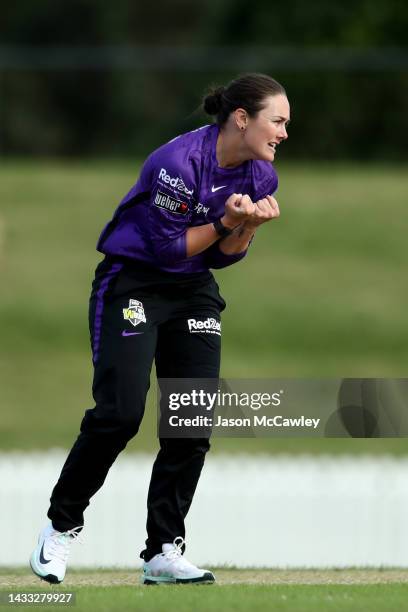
(215, 258)
(172, 196)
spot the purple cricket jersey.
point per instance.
(181, 186)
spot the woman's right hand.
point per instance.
(238, 209)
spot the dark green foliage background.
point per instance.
(340, 110)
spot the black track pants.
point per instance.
(138, 314)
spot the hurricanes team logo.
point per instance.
(134, 313)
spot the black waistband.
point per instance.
(144, 271)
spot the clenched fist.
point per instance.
(265, 210)
(238, 209)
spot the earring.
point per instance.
(242, 127)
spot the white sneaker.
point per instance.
(49, 559)
(172, 568)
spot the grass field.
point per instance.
(246, 590)
(323, 292)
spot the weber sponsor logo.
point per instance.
(163, 200)
(175, 182)
(209, 326)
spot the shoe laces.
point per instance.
(177, 551)
(60, 542)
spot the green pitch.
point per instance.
(323, 292)
(237, 590)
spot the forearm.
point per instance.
(199, 238)
(238, 241)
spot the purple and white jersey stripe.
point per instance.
(181, 186)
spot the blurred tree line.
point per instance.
(119, 78)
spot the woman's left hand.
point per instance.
(265, 210)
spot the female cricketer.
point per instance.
(197, 205)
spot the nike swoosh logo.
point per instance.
(214, 189)
(127, 333)
(43, 560)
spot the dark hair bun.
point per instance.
(213, 101)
